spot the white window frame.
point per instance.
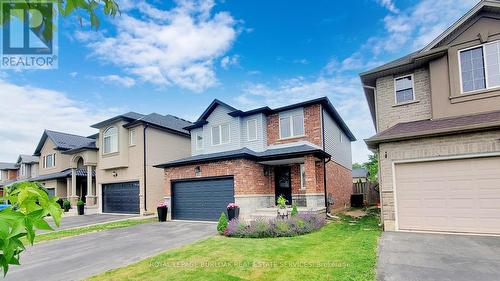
(220, 134)
(485, 69)
(302, 177)
(341, 137)
(132, 137)
(52, 162)
(412, 87)
(248, 129)
(196, 141)
(292, 131)
(104, 152)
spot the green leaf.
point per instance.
(42, 224)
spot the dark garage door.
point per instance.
(120, 198)
(202, 200)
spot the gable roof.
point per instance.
(64, 141)
(324, 101)
(8, 166)
(129, 117)
(27, 159)
(168, 122)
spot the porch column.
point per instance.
(90, 190)
(73, 197)
(68, 188)
(310, 173)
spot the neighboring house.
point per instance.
(360, 175)
(67, 166)
(301, 151)
(28, 167)
(437, 116)
(129, 146)
(8, 174)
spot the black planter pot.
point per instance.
(81, 209)
(233, 213)
(162, 213)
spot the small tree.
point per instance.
(294, 211)
(222, 224)
(30, 204)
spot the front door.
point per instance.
(283, 183)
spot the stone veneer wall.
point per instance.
(389, 114)
(460, 144)
(312, 127)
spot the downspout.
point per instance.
(145, 166)
(324, 161)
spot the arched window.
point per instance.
(110, 140)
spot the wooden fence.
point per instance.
(370, 191)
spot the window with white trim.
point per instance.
(49, 161)
(132, 137)
(292, 126)
(403, 87)
(110, 140)
(220, 134)
(480, 67)
(302, 176)
(252, 129)
(199, 140)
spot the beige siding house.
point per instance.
(437, 116)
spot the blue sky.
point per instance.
(175, 57)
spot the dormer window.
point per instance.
(403, 87)
(110, 140)
(480, 67)
(220, 134)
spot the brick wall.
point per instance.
(389, 114)
(339, 184)
(460, 144)
(12, 175)
(312, 127)
(249, 176)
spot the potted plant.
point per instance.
(66, 205)
(233, 211)
(162, 210)
(80, 206)
(281, 204)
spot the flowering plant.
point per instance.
(232, 206)
(162, 204)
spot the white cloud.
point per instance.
(167, 47)
(26, 111)
(389, 5)
(228, 61)
(125, 81)
(73, 74)
(301, 61)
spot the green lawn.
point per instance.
(339, 251)
(87, 229)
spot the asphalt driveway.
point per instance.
(79, 221)
(78, 257)
(415, 256)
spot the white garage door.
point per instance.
(453, 195)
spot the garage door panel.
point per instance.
(121, 198)
(201, 199)
(454, 195)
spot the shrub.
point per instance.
(281, 202)
(66, 203)
(294, 211)
(80, 203)
(261, 228)
(222, 225)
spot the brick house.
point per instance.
(301, 151)
(8, 174)
(436, 113)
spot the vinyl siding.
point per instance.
(219, 116)
(340, 151)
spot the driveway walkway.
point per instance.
(415, 256)
(82, 256)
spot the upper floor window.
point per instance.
(252, 129)
(292, 126)
(50, 160)
(110, 140)
(480, 67)
(220, 134)
(403, 87)
(199, 141)
(132, 137)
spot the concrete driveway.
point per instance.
(415, 256)
(78, 257)
(79, 221)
